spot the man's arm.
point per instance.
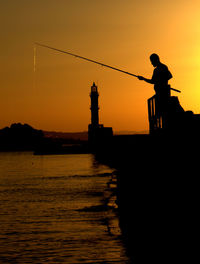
(141, 78)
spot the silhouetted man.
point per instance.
(161, 76)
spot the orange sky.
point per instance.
(121, 33)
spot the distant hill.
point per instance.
(76, 136)
(20, 137)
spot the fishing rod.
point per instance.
(93, 61)
(80, 57)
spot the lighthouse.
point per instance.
(94, 95)
(97, 133)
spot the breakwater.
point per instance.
(158, 195)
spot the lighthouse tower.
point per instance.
(94, 95)
(97, 133)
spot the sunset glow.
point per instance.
(53, 93)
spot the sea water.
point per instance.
(58, 209)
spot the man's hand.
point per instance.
(141, 78)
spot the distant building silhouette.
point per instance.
(97, 133)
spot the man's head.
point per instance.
(155, 60)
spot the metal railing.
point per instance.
(155, 118)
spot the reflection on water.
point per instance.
(57, 209)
